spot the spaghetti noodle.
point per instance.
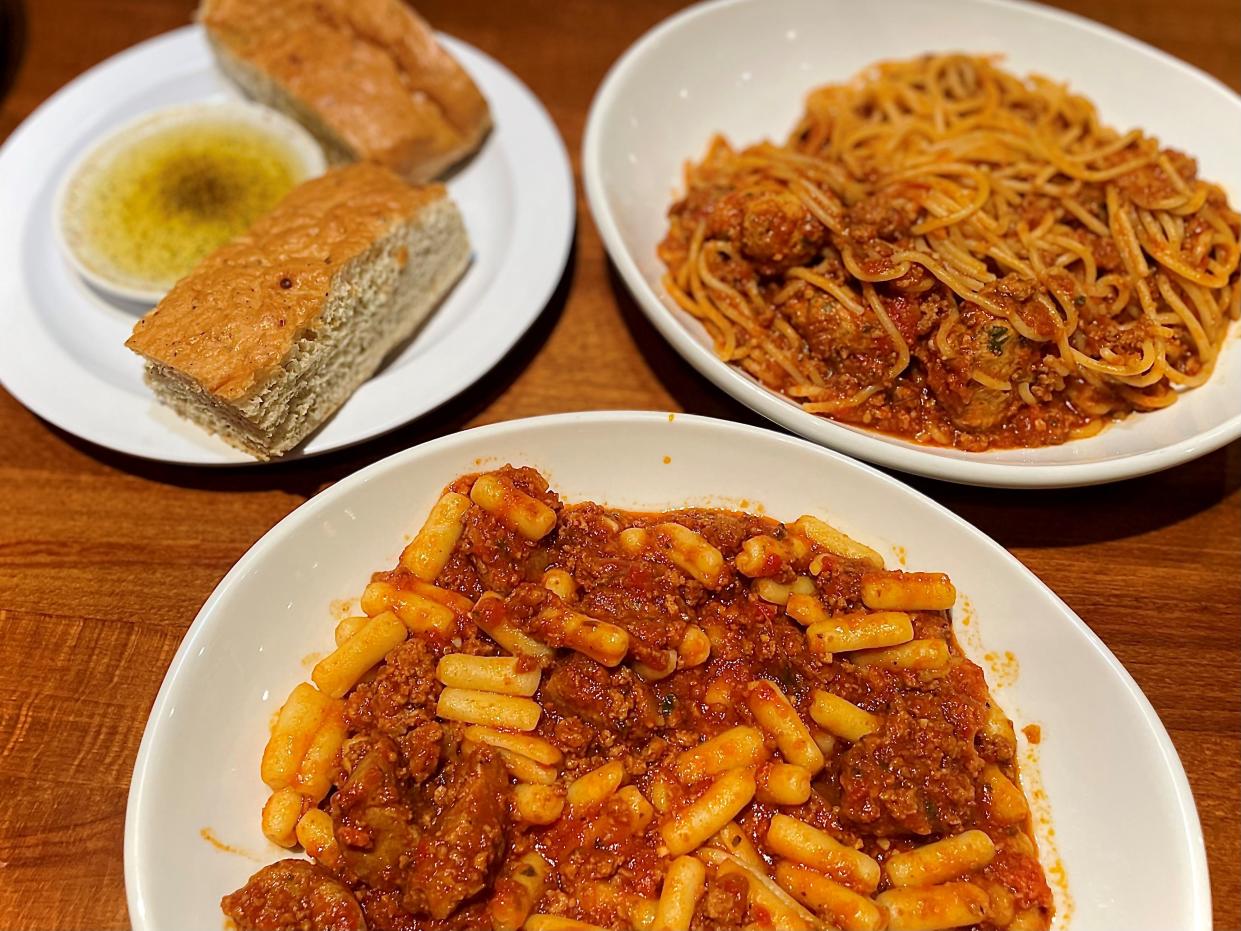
(946, 252)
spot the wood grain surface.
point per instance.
(104, 560)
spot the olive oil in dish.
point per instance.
(149, 204)
(159, 209)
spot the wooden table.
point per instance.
(104, 560)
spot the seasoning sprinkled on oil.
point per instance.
(154, 208)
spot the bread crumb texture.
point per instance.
(231, 322)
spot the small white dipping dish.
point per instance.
(77, 230)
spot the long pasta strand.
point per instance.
(1004, 196)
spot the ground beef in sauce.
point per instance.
(915, 776)
(428, 830)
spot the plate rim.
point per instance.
(873, 446)
(309, 510)
(556, 211)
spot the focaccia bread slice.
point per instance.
(366, 77)
(270, 334)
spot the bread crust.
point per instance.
(231, 321)
(366, 76)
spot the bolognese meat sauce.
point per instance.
(644, 649)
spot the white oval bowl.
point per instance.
(1125, 824)
(74, 240)
(744, 67)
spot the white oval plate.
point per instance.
(1124, 820)
(744, 67)
(62, 353)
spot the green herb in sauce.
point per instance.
(996, 338)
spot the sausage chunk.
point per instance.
(458, 853)
(293, 894)
(773, 229)
(615, 700)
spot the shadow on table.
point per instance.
(12, 42)
(1014, 517)
(308, 476)
(1077, 516)
(693, 393)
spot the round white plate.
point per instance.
(1126, 830)
(62, 353)
(744, 67)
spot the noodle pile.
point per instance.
(949, 252)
